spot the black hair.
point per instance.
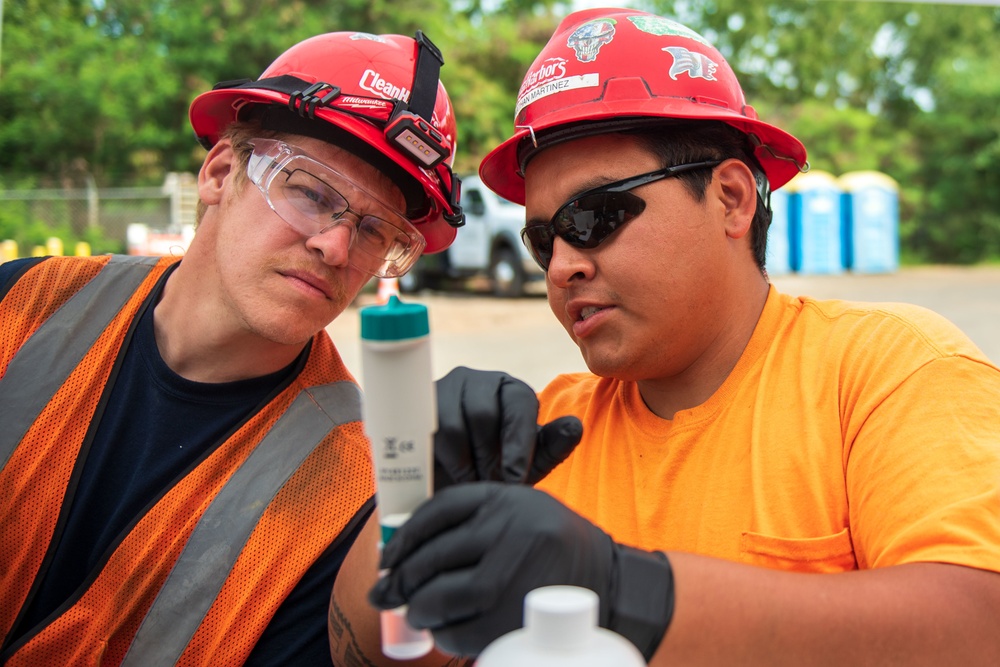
(695, 141)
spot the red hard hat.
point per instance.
(606, 67)
(361, 92)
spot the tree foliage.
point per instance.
(98, 90)
(908, 89)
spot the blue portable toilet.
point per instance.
(778, 258)
(816, 221)
(871, 221)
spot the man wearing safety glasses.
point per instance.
(763, 479)
(182, 466)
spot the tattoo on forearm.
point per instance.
(344, 644)
(347, 651)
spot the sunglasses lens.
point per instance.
(538, 240)
(588, 221)
(584, 223)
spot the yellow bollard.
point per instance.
(8, 250)
(54, 246)
(38, 251)
(82, 249)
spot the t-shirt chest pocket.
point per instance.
(824, 554)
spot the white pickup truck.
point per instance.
(488, 245)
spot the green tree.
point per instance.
(102, 88)
(98, 90)
(908, 89)
(959, 175)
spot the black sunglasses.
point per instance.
(590, 218)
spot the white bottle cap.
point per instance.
(560, 617)
(560, 630)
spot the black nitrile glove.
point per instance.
(467, 557)
(488, 430)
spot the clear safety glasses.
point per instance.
(591, 217)
(309, 196)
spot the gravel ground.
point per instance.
(522, 337)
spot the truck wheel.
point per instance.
(507, 274)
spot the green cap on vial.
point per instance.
(394, 321)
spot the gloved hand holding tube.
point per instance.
(484, 426)
(467, 557)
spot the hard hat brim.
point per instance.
(211, 112)
(780, 154)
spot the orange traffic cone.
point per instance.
(387, 287)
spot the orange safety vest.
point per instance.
(199, 575)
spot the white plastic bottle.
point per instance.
(400, 418)
(560, 630)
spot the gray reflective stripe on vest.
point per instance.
(50, 355)
(217, 540)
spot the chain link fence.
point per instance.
(111, 214)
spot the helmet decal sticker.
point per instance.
(657, 25)
(549, 78)
(373, 82)
(588, 39)
(696, 65)
(368, 36)
(651, 67)
(360, 103)
(549, 69)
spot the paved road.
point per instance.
(522, 337)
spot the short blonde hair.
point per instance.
(239, 135)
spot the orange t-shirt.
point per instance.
(848, 436)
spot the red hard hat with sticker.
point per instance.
(613, 65)
(356, 89)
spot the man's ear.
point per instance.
(215, 170)
(738, 194)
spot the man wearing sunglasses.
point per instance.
(763, 479)
(182, 466)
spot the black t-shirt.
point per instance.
(157, 426)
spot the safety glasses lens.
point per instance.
(306, 194)
(316, 200)
(380, 238)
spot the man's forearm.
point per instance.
(353, 624)
(353, 646)
(915, 614)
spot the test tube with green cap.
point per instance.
(400, 418)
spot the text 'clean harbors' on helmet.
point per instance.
(608, 70)
(376, 96)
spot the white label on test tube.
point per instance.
(400, 417)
